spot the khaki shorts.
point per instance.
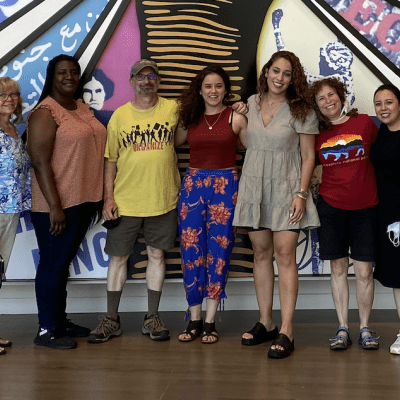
(159, 232)
(8, 229)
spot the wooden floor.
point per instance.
(134, 367)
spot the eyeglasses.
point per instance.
(150, 77)
(14, 96)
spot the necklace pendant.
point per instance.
(210, 127)
(271, 116)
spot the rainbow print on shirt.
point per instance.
(342, 145)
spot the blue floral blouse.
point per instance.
(15, 178)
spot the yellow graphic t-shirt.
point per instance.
(141, 142)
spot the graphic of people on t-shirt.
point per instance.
(150, 138)
(341, 145)
(166, 133)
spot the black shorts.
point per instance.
(344, 229)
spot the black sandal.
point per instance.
(260, 335)
(287, 345)
(6, 343)
(194, 329)
(209, 330)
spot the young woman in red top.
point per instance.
(347, 204)
(208, 194)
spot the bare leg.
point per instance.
(365, 292)
(285, 243)
(195, 315)
(395, 347)
(117, 273)
(396, 295)
(212, 306)
(264, 277)
(155, 272)
(340, 292)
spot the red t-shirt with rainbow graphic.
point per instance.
(348, 179)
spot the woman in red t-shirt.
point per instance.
(347, 204)
(208, 195)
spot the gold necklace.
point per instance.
(211, 126)
(272, 115)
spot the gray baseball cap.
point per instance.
(139, 65)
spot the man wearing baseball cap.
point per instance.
(141, 190)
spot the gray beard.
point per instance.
(146, 90)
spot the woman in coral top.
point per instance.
(347, 204)
(66, 144)
(208, 195)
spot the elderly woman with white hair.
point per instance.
(15, 189)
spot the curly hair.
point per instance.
(6, 82)
(192, 105)
(51, 67)
(340, 88)
(296, 93)
(391, 88)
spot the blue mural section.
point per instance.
(10, 7)
(89, 256)
(29, 69)
(64, 37)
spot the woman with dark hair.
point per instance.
(346, 204)
(273, 201)
(385, 156)
(66, 144)
(15, 188)
(99, 89)
(208, 195)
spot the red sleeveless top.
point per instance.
(213, 148)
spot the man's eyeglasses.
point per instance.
(14, 96)
(150, 77)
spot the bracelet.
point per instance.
(304, 192)
(301, 196)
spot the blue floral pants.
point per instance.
(205, 214)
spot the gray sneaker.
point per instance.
(155, 328)
(106, 329)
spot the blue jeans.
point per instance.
(56, 254)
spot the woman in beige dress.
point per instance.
(273, 201)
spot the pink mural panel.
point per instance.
(122, 51)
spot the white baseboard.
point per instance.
(18, 297)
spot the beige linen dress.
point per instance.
(272, 171)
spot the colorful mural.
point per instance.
(10, 7)
(355, 40)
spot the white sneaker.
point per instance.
(395, 347)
